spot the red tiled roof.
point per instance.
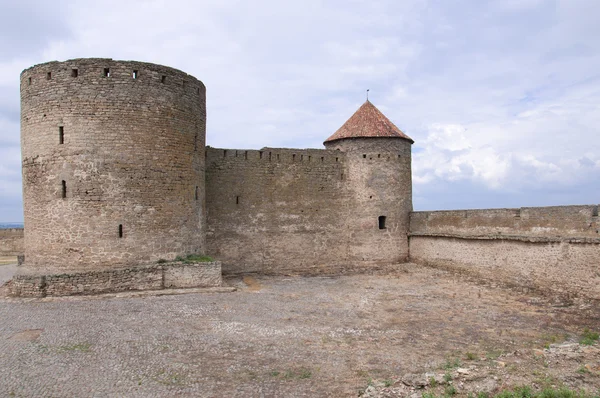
(368, 121)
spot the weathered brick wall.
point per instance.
(11, 241)
(32, 283)
(311, 210)
(552, 249)
(127, 139)
(276, 210)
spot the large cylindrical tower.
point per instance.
(113, 164)
(379, 181)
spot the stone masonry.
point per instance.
(117, 176)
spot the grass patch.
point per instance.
(194, 258)
(452, 363)
(471, 356)
(521, 392)
(82, 347)
(589, 337)
(300, 374)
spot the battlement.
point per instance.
(552, 221)
(106, 72)
(284, 155)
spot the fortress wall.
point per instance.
(550, 249)
(11, 241)
(106, 144)
(276, 210)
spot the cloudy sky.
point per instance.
(501, 97)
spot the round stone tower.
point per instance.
(380, 185)
(113, 164)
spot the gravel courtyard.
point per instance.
(280, 337)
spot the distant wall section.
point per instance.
(11, 241)
(552, 249)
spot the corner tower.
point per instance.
(113, 164)
(380, 185)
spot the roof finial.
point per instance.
(367, 94)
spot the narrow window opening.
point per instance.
(61, 135)
(49, 76)
(74, 72)
(163, 79)
(198, 91)
(364, 155)
(336, 159)
(64, 189)
(237, 200)
(260, 154)
(277, 156)
(236, 154)
(106, 72)
(120, 230)
(399, 156)
(322, 159)
(342, 176)
(269, 156)
(518, 213)
(135, 74)
(29, 81)
(381, 222)
(595, 211)
(196, 193)
(246, 155)
(309, 157)
(225, 153)
(293, 157)
(378, 155)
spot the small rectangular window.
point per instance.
(163, 79)
(74, 72)
(381, 222)
(64, 189)
(196, 194)
(120, 230)
(225, 153)
(106, 72)
(49, 76)
(237, 200)
(29, 81)
(322, 159)
(293, 157)
(364, 155)
(61, 135)
(135, 74)
(260, 154)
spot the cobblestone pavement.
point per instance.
(274, 337)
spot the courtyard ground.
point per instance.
(402, 334)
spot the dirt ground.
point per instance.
(416, 330)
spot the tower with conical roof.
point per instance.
(378, 156)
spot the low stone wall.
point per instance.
(11, 241)
(150, 277)
(555, 250)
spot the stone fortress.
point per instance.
(118, 182)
